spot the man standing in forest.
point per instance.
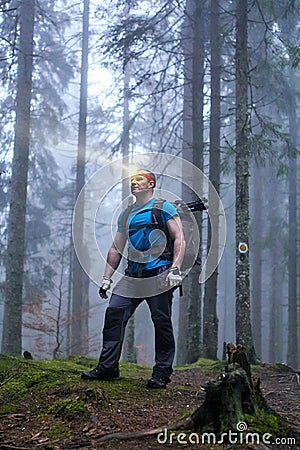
(148, 270)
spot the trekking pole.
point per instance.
(197, 205)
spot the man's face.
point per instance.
(140, 183)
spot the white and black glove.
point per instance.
(104, 286)
(174, 277)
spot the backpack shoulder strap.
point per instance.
(158, 221)
(125, 216)
(156, 213)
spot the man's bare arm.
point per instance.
(114, 255)
(176, 232)
(113, 259)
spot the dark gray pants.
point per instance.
(118, 313)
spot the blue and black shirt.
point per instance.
(143, 235)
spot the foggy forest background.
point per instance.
(214, 82)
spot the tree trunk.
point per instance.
(129, 350)
(187, 154)
(210, 319)
(243, 314)
(189, 332)
(256, 243)
(292, 353)
(274, 297)
(15, 256)
(80, 281)
(69, 301)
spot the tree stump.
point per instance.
(230, 397)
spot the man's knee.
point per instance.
(113, 324)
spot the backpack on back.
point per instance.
(189, 226)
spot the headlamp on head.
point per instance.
(145, 173)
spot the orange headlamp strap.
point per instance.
(148, 176)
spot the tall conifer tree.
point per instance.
(243, 313)
(12, 324)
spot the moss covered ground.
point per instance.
(46, 405)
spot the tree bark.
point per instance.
(210, 318)
(15, 256)
(276, 274)
(243, 313)
(129, 351)
(292, 354)
(80, 281)
(256, 244)
(189, 333)
(229, 398)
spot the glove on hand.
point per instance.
(104, 286)
(174, 277)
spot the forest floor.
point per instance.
(45, 405)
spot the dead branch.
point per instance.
(184, 424)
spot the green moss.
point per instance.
(125, 387)
(264, 422)
(204, 364)
(57, 432)
(67, 407)
(52, 392)
(27, 380)
(23, 381)
(82, 361)
(132, 370)
(19, 375)
(8, 409)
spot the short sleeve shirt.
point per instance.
(141, 236)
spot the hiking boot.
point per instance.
(157, 383)
(97, 374)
